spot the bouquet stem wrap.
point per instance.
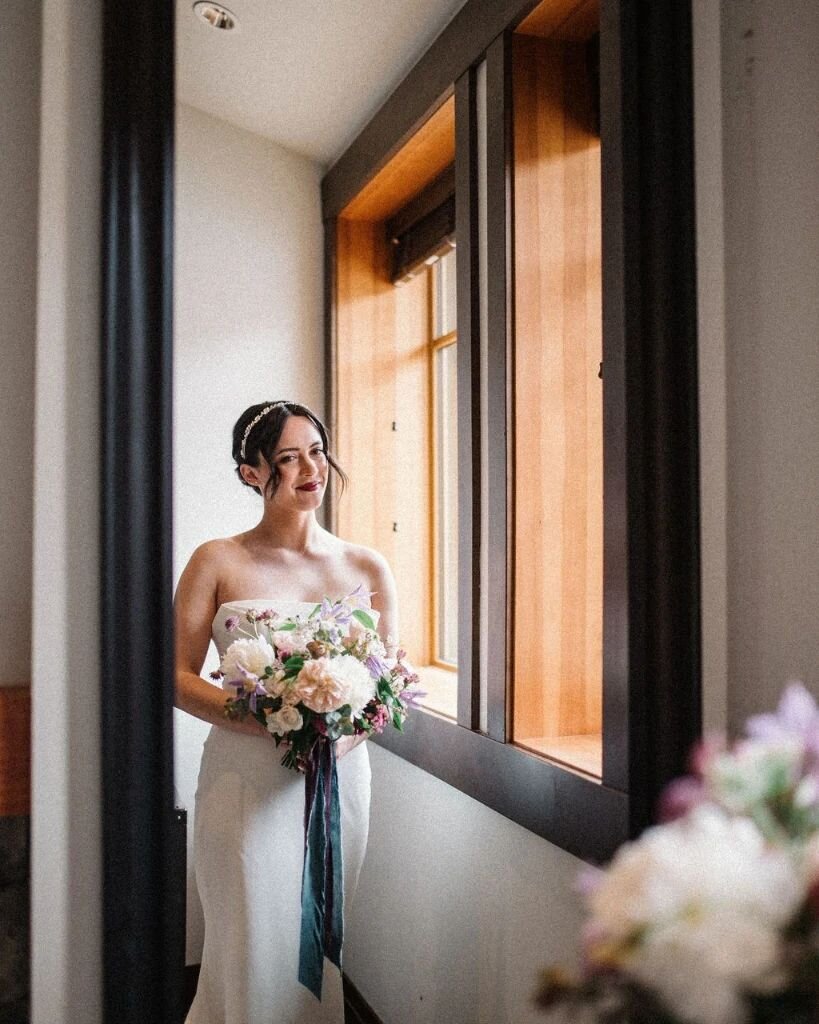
(322, 885)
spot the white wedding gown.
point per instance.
(248, 855)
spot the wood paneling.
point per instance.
(558, 395)
(383, 430)
(15, 750)
(564, 20)
(428, 153)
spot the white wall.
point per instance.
(248, 321)
(66, 863)
(771, 155)
(19, 153)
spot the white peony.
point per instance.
(253, 655)
(693, 910)
(360, 685)
(286, 719)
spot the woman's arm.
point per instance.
(194, 608)
(385, 601)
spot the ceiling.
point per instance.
(308, 75)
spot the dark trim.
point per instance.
(191, 983)
(660, 320)
(457, 48)
(469, 423)
(356, 1008)
(433, 235)
(571, 811)
(430, 198)
(140, 981)
(500, 325)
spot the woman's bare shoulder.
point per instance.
(209, 562)
(367, 561)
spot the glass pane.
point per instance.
(446, 485)
(444, 274)
(558, 405)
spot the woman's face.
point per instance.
(300, 458)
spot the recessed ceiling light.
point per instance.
(215, 15)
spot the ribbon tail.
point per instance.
(334, 916)
(311, 944)
(322, 891)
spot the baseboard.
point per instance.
(356, 1008)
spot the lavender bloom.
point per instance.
(359, 598)
(412, 698)
(377, 666)
(232, 623)
(796, 718)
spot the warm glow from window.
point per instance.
(558, 641)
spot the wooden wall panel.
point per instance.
(15, 750)
(558, 395)
(381, 380)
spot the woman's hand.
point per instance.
(346, 743)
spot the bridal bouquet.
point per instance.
(713, 916)
(311, 680)
(316, 678)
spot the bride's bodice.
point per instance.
(223, 638)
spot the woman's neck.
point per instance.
(298, 532)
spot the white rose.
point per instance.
(276, 685)
(286, 719)
(253, 655)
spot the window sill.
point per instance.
(581, 815)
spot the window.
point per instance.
(566, 386)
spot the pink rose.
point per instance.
(319, 687)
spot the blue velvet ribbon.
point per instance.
(322, 883)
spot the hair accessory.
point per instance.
(255, 420)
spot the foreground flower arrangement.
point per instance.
(713, 916)
(310, 681)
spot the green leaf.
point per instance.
(286, 627)
(364, 619)
(293, 665)
(314, 612)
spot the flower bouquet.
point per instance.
(712, 917)
(311, 680)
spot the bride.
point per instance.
(249, 814)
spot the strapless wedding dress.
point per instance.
(248, 852)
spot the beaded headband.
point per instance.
(255, 420)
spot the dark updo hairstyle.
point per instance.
(264, 437)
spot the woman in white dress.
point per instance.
(249, 813)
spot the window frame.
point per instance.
(651, 700)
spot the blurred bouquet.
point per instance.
(713, 916)
(316, 678)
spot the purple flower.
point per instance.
(412, 698)
(796, 718)
(377, 666)
(359, 598)
(232, 623)
(679, 797)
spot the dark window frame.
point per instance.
(651, 665)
